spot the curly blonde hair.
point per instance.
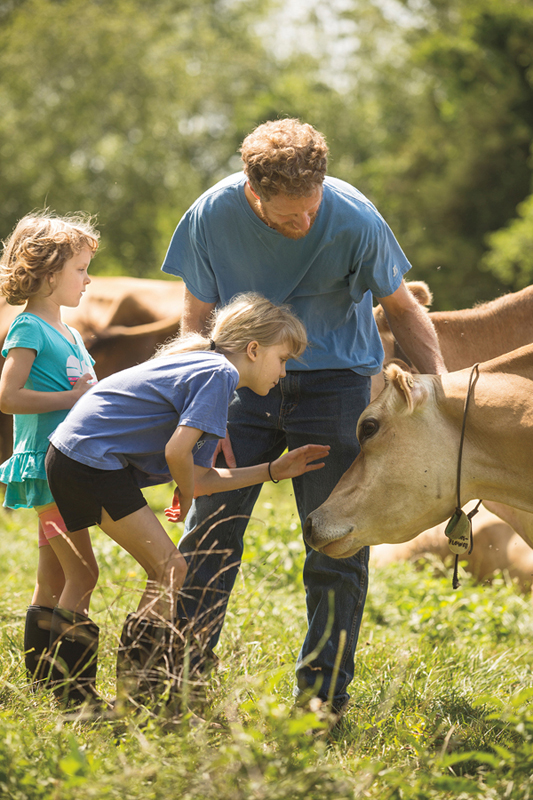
(248, 317)
(39, 246)
(284, 156)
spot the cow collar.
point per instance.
(459, 528)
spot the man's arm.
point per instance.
(413, 330)
(195, 314)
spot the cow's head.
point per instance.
(403, 480)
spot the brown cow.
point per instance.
(466, 337)
(121, 320)
(404, 480)
(112, 301)
(120, 347)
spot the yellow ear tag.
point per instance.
(459, 530)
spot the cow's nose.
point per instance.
(308, 531)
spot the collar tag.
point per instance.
(459, 532)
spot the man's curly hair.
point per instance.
(284, 156)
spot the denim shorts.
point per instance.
(81, 491)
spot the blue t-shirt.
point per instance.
(57, 366)
(128, 418)
(221, 248)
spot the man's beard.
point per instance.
(286, 229)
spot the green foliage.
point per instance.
(441, 701)
(124, 109)
(511, 255)
(129, 110)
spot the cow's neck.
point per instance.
(499, 429)
(486, 331)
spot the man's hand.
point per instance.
(413, 329)
(298, 461)
(224, 447)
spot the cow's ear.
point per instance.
(404, 383)
(381, 320)
(421, 292)
(399, 363)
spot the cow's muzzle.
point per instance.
(323, 537)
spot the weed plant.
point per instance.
(441, 702)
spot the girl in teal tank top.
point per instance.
(47, 369)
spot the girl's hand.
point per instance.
(179, 508)
(83, 384)
(298, 461)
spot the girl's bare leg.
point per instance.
(50, 579)
(75, 555)
(143, 536)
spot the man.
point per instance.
(284, 229)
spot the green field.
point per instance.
(441, 701)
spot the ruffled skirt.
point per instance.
(25, 478)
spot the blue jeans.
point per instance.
(318, 407)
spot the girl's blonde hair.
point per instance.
(39, 246)
(248, 317)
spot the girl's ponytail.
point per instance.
(188, 343)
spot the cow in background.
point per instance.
(470, 334)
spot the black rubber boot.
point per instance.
(144, 660)
(192, 661)
(74, 656)
(161, 663)
(36, 644)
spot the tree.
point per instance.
(510, 256)
(130, 110)
(125, 109)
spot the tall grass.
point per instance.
(441, 701)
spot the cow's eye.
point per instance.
(368, 428)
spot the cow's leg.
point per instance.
(325, 408)
(215, 527)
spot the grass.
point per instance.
(441, 701)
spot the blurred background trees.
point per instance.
(129, 109)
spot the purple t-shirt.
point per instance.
(128, 418)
